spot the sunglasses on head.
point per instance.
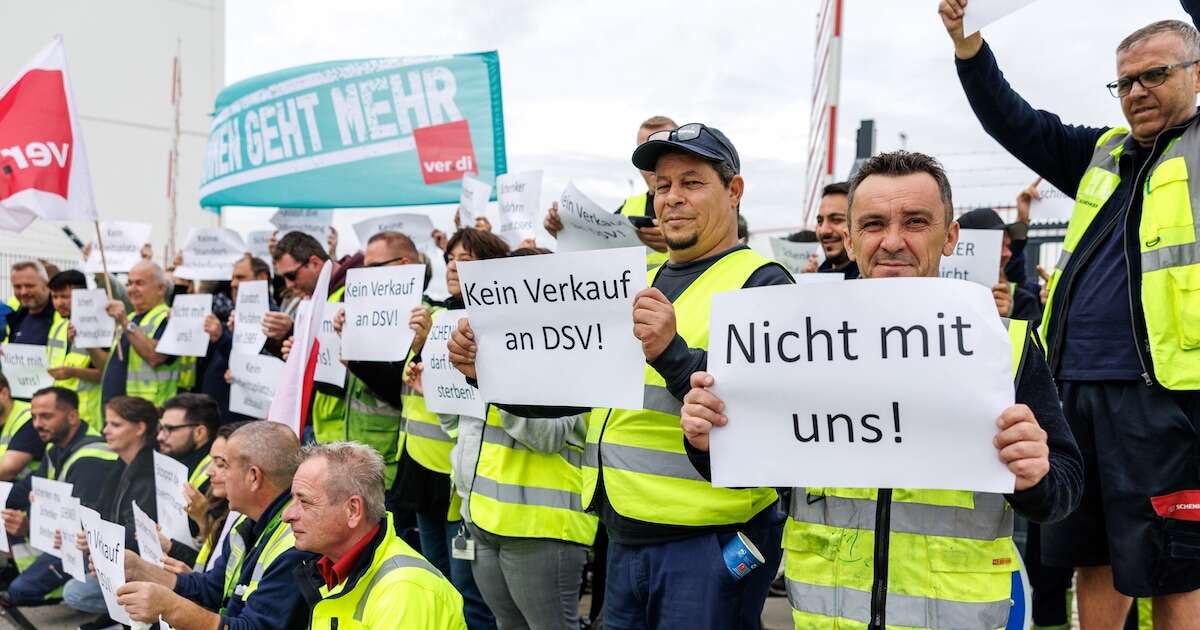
(687, 133)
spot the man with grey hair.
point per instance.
(365, 571)
(250, 586)
(31, 322)
(139, 369)
(1120, 324)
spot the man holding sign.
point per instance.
(70, 365)
(1121, 332)
(661, 515)
(941, 558)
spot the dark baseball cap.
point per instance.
(702, 141)
(983, 219)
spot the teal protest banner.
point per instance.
(371, 132)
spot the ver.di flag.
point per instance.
(43, 165)
(360, 133)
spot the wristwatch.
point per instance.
(130, 326)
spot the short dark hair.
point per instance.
(836, 188)
(258, 266)
(803, 236)
(900, 163)
(300, 246)
(63, 397)
(1186, 32)
(529, 251)
(69, 279)
(227, 429)
(137, 410)
(198, 408)
(480, 244)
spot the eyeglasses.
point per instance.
(290, 276)
(1151, 78)
(687, 133)
(385, 263)
(169, 429)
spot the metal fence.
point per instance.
(6, 262)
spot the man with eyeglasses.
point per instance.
(185, 432)
(666, 524)
(1120, 324)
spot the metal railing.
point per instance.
(7, 260)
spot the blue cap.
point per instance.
(707, 143)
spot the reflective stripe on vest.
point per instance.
(1169, 246)
(523, 493)
(60, 354)
(647, 475)
(155, 384)
(413, 579)
(93, 446)
(18, 416)
(426, 442)
(373, 422)
(950, 552)
(635, 206)
(199, 475)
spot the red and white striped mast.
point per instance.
(173, 157)
(822, 131)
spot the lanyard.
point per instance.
(235, 577)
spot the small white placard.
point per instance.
(184, 335)
(25, 366)
(379, 303)
(93, 327)
(446, 389)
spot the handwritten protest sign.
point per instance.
(557, 329)
(106, 544)
(330, 369)
(255, 377)
(210, 253)
(184, 335)
(73, 560)
(25, 366)
(5, 489)
(146, 534)
(893, 383)
(976, 257)
(253, 302)
(418, 227)
(170, 477)
(473, 201)
(981, 13)
(44, 511)
(123, 241)
(518, 196)
(1054, 205)
(258, 243)
(314, 223)
(446, 389)
(587, 226)
(379, 303)
(93, 327)
(794, 256)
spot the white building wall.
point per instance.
(119, 54)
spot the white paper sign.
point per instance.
(106, 542)
(93, 327)
(976, 257)
(44, 513)
(258, 243)
(289, 393)
(5, 489)
(892, 383)
(170, 476)
(184, 335)
(210, 254)
(329, 366)
(446, 389)
(794, 256)
(123, 241)
(73, 560)
(1054, 205)
(314, 223)
(473, 201)
(819, 278)
(519, 196)
(25, 366)
(253, 302)
(981, 13)
(417, 227)
(587, 226)
(557, 329)
(147, 537)
(255, 378)
(379, 303)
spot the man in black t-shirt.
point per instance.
(20, 447)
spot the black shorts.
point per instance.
(1140, 510)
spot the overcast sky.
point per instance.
(579, 77)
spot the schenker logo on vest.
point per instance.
(35, 135)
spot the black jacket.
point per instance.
(124, 485)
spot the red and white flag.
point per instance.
(43, 165)
(293, 395)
